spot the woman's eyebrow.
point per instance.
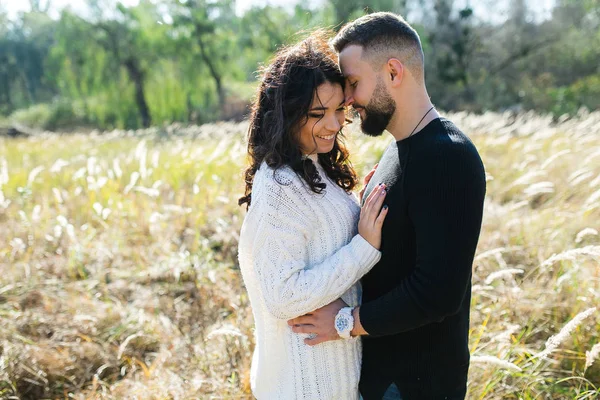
(325, 108)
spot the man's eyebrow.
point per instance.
(325, 108)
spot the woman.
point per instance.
(299, 248)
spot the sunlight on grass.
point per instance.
(120, 276)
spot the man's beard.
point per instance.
(378, 112)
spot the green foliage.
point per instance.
(36, 116)
(197, 61)
(584, 92)
(59, 115)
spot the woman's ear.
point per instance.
(395, 70)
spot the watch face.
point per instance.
(342, 324)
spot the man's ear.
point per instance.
(395, 70)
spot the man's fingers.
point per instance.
(298, 320)
(303, 328)
(314, 341)
(303, 320)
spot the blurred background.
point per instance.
(122, 147)
(67, 64)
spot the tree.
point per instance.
(210, 25)
(453, 42)
(24, 45)
(125, 38)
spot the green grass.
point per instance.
(120, 276)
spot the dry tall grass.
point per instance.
(119, 275)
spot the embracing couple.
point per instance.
(360, 297)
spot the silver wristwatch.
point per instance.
(344, 322)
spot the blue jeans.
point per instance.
(392, 393)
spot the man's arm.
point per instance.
(358, 329)
(446, 207)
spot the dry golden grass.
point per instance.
(119, 275)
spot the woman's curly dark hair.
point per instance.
(281, 109)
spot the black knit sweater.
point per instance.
(416, 299)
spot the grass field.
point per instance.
(119, 275)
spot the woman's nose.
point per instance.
(333, 124)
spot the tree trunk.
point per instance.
(6, 91)
(213, 70)
(137, 76)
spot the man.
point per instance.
(414, 317)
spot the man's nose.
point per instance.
(348, 100)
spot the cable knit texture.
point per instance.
(299, 251)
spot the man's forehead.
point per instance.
(350, 59)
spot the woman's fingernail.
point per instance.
(385, 207)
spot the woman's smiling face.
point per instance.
(325, 119)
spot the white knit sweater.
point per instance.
(299, 251)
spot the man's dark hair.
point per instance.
(382, 36)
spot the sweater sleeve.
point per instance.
(445, 207)
(289, 284)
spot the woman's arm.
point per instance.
(290, 286)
